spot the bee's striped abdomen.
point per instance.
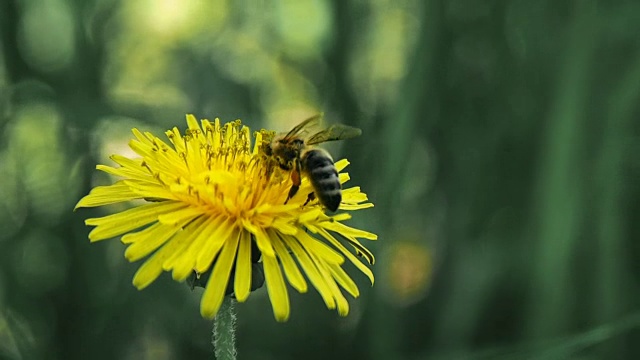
(319, 167)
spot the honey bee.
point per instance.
(293, 152)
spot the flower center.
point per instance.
(225, 177)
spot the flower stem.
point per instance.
(224, 332)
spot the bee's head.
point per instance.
(285, 151)
(267, 149)
(276, 146)
(267, 139)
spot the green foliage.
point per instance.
(500, 146)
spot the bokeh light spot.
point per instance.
(40, 262)
(47, 35)
(408, 273)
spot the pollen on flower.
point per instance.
(213, 196)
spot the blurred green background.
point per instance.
(501, 148)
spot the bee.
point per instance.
(293, 152)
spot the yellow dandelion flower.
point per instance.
(211, 197)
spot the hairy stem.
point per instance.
(224, 332)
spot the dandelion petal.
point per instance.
(344, 280)
(152, 268)
(242, 285)
(222, 234)
(214, 293)
(310, 269)
(288, 264)
(348, 254)
(147, 240)
(276, 288)
(106, 195)
(116, 224)
(341, 301)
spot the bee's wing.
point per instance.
(310, 122)
(334, 132)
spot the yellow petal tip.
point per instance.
(282, 317)
(207, 312)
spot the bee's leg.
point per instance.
(310, 197)
(295, 179)
(292, 191)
